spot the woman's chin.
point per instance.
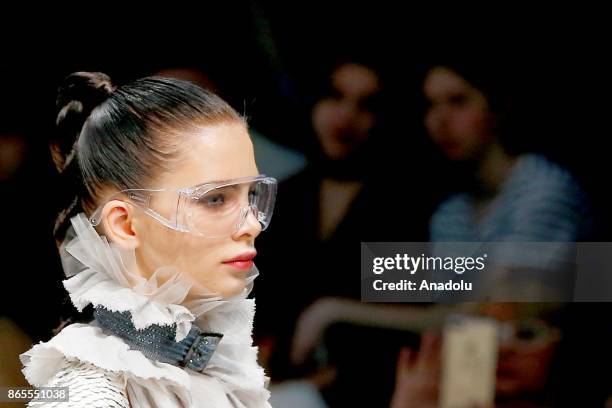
(234, 286)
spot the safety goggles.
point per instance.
(526, 332)
(212, 210)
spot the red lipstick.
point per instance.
(243, 261)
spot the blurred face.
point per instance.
(458, 119)
(214, 153)
(525, 357)
(344, 119)
(524, 364)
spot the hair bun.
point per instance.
(77, 96)
(82, 91)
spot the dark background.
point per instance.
(270, 60)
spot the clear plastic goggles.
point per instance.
(526, 332)
(212, 210)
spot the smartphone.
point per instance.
(469, 362)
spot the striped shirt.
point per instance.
(538, 202)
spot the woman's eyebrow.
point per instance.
(231, 187)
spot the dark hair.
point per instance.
(500, 81)
(123, 137)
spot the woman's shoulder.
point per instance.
(87, 385)
(87, 342)
(535, 173)
(456, 205)
(100, 358)
(543, 201)
(541, 185)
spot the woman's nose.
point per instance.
(250, 225)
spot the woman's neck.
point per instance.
(493, 169)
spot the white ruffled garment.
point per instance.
(103, 275)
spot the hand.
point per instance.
(418, 375)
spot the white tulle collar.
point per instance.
(101, 274)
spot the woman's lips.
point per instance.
(242, 262)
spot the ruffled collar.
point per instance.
(101, 274)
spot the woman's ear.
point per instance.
(118, 224)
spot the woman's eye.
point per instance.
(215, 200)
(525, 334)
(253, 195)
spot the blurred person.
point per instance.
(513, 197)
(339, 200)
(162, 205)
(549, 355)
(512, 194)
(524, 361)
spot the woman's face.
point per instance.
(215, 153)
(525, 357)
(344, 119)
(458, 119)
